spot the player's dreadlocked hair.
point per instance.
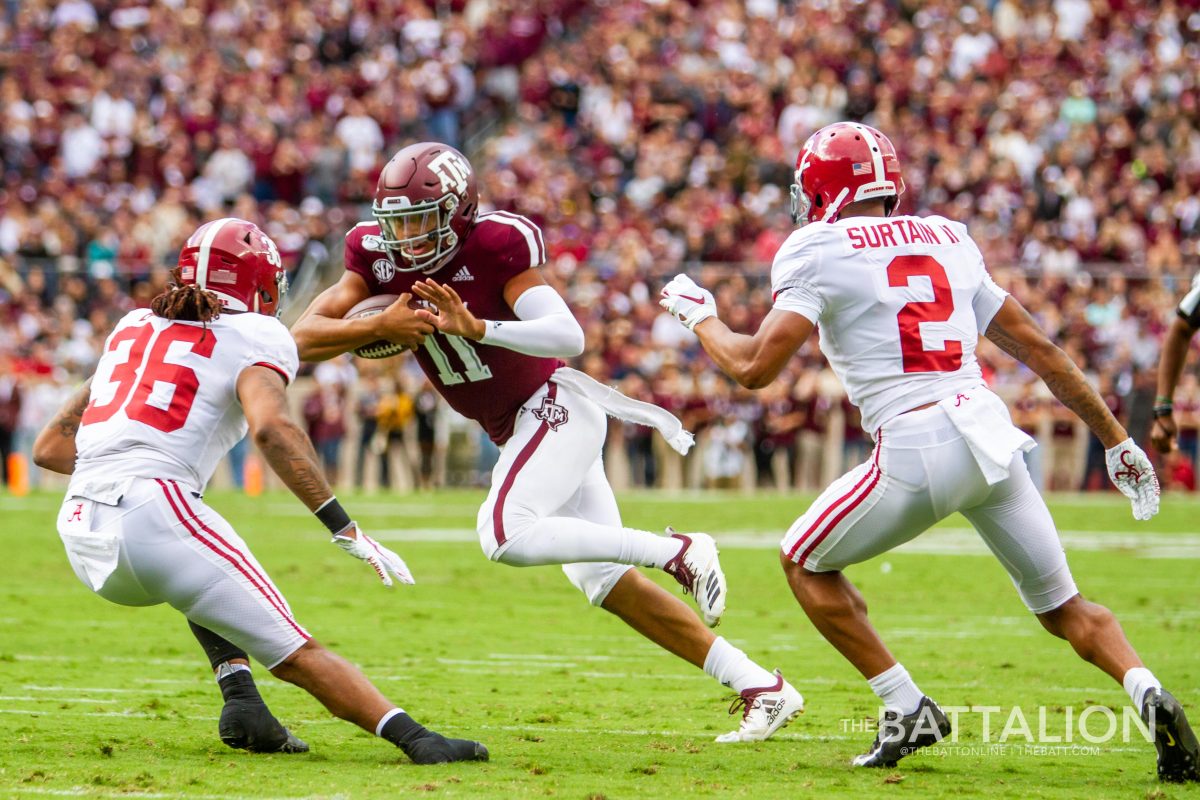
(186, 302)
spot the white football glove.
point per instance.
(1132, 473)
(383, 561)
(688, 301)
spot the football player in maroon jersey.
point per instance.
(490, 334)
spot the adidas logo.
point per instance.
(463, 275)
(712, 588)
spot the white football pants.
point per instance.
(920, 472)
(160, 543)
(552, 469)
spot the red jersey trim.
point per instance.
(269, 365)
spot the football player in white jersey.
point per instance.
(900, 303)
(179, 384)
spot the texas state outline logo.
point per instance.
(551, 413)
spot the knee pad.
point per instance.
(595, 579)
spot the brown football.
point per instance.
(380, 348)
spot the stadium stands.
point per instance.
(1066, 133)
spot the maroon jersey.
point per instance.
(484, 383)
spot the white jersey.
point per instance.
(899, 303)
(164, 397)
(1189, 307)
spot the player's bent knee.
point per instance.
(499, 545)
(595, 580)
(295, 664)
(1049, 593)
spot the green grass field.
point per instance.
(102, 701)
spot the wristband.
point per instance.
(1163, 400)
(333, 516)
(1163, 409)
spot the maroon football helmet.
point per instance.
(238, 262)
(841, 164)
(425, 202)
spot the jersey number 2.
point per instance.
(912, 348)
(157, 370)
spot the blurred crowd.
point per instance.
(646, 137)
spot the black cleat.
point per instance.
(901, 736)
(433, 748)
(1178, 753)
(251, 726)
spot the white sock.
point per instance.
(567, 540)
(1138, 681)
(896, 689)
(734, 668)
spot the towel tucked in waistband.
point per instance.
(983, 420)
(625, 408)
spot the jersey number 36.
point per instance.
(156, 370)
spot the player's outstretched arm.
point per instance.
(753, 361)
(54, 448)
(1170, 366)
(321, 333)
(1015, 332)
(291, 455)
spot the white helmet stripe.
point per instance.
(876, 154)
(205, 247)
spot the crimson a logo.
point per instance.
(1131, 470)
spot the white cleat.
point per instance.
(765, 710)
(698, 571)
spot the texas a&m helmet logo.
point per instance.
(551, 413)
(452, 170)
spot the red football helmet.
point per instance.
(840, 164)
(425, 202)
(236, 261)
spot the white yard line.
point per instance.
(938, 541)
(87, 791)
(167, 662)
(101, 690)
(44, 699)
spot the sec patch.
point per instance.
(384, 269)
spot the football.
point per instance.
(380, 348)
